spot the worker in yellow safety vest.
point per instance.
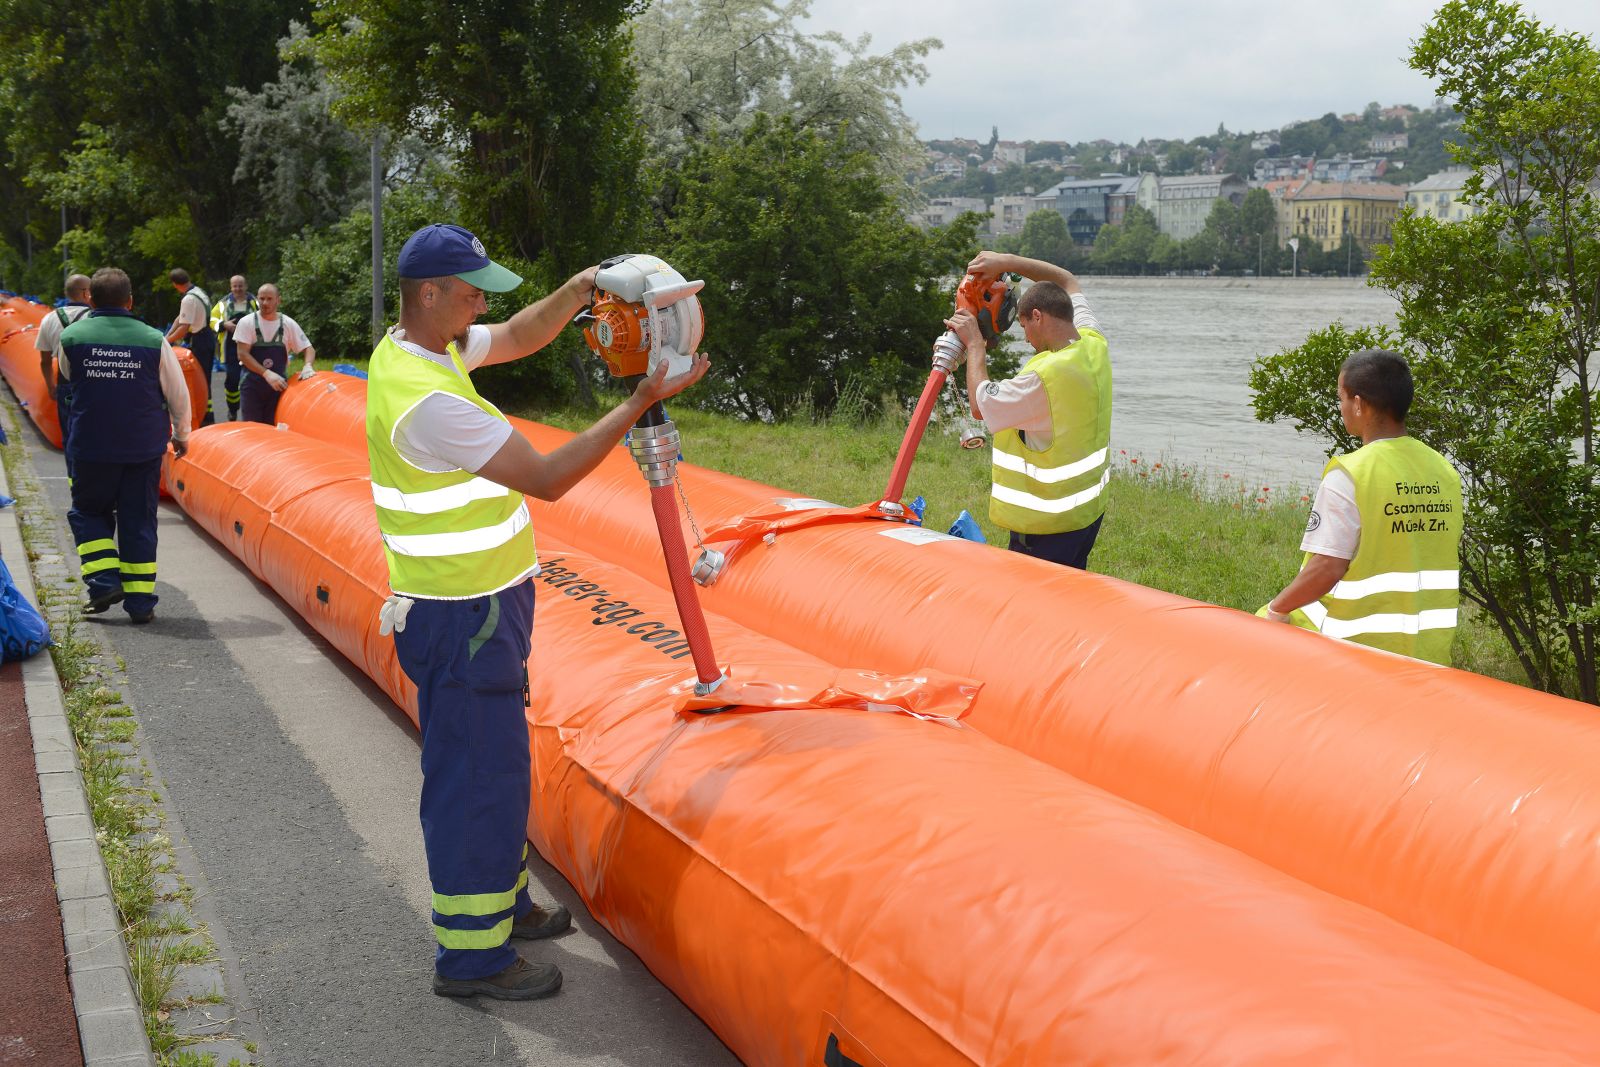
(1381, 567)
(1052, 422)
(449, 476)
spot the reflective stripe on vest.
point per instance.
(1060, 506)
(1401, 592)
(1383, 623)
(447, 535)
(433, 501)
(460, 542)
(1058, 489)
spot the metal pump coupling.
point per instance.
(707, 566)
(947, 351)
(655, 449)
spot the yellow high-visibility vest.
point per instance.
(450, 535)
(1058, 489)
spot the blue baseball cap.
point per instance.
(441, 250)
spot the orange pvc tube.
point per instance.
(895, 891)
(1461, 806)
(19, 364)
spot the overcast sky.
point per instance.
(1076, 71)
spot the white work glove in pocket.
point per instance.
(305, 372)
(392, 616)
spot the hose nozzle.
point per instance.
(947, 351)
(655, 449)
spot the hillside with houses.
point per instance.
(1336, 182)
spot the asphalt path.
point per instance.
(294, 782)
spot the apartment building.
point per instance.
(1325, 211)
(1184, 203)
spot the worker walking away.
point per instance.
(192, 327)
(1052, 422)
(448, 477)
(121, 370)
(235, 304)
(266, 339)
(1382, 562)
(48, 343)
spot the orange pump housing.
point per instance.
(620, 333)
(796, 875)
(994, 305)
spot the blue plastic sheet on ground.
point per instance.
(5, 501)
(917, 506)
(23, 630)
(350, 369)
(966, 526)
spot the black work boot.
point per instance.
(520, 981)
(99, 602)
(541, 923)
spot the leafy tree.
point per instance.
(714, 66)
(1126, 248)
(1045, 236)
(1499, 318)
(1181, 159)
(309, 168)
(813, 276)
(532, 103)
(142, 125)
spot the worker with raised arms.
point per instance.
(1052, 422)
(448, 478)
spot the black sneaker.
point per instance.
(541, 923)
(520, 981)
(99, 602)
(141, 618)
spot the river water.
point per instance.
(1181, 352)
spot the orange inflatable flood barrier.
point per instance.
(847, 886)
(19, 364)
(1463, 807)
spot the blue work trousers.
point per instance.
(1070, 549)
(113, 520)
(469, 661)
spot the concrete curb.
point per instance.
(110, 1020)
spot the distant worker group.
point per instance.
(109, 421)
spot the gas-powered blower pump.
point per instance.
(644, 313)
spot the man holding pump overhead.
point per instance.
(448, 477)
(1052, 422)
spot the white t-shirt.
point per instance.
(445, 432)
(253, 329)
(1334, 528)
(49, 336)
(193, 312)
(1020, 403)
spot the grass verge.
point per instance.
(122, 804)
(1211, 538)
